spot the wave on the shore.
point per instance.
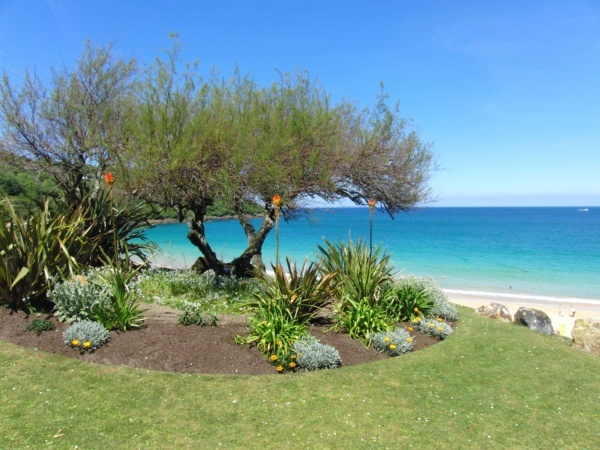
(529, 297)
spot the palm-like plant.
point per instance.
(36, 250)
(361, 272)
(303, 290)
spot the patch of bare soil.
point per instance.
(163, 344)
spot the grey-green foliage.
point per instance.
(86, 331)
(445, 311)
(393, 343)
(312, 355)
(440, 330)
(76, 299)
(440, 308)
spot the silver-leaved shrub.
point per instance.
(434, 327)
(75, 299)
(85, 335)
(393, 343)
(312, 355)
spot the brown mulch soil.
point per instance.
(162, 344)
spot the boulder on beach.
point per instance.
(586, 335)
(495, 311)
(535, 320)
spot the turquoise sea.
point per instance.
(545, 253)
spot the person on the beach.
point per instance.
(572, 311)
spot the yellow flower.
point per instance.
(292, 364)
(410, 329)
(409, 340)
(392, 346)
(293, 356)
(386, 339)
(439, 319)
(278, 343)
(75, 343)
(87, 344)
(279, 369)
(430, 325)
(273, 357)
(416, 309)
(441, 328)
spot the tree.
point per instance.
(73, 129)
(194, 142)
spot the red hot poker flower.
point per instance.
(372, 204)
(109, 178)
(276, 201)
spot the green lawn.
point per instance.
(490, 384)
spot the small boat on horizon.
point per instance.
(583, 209)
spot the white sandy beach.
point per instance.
(559, 313)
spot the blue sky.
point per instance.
(508, 92)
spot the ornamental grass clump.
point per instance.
(85, 335)
(312, 355)
(393, 343)
(434, 327)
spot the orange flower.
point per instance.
(279, 369)
(293, 356)
(273, 357)
(109, 178)
(276, 201)
(372, 204)
(410, 329)
(292, 364)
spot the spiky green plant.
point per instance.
(302, 289)
(35, 250)
(361, 272)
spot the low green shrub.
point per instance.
(362, 319)
(273, 329)
(190, 317)
(437, 298)
(39, 325)
(312, 355)
(405, 301)
(434, 327)
(393, 343)
(122, 310)
(186, 289)
(85, 335)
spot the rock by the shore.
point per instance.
(495, 311)
(586, 335)
(535, 320)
